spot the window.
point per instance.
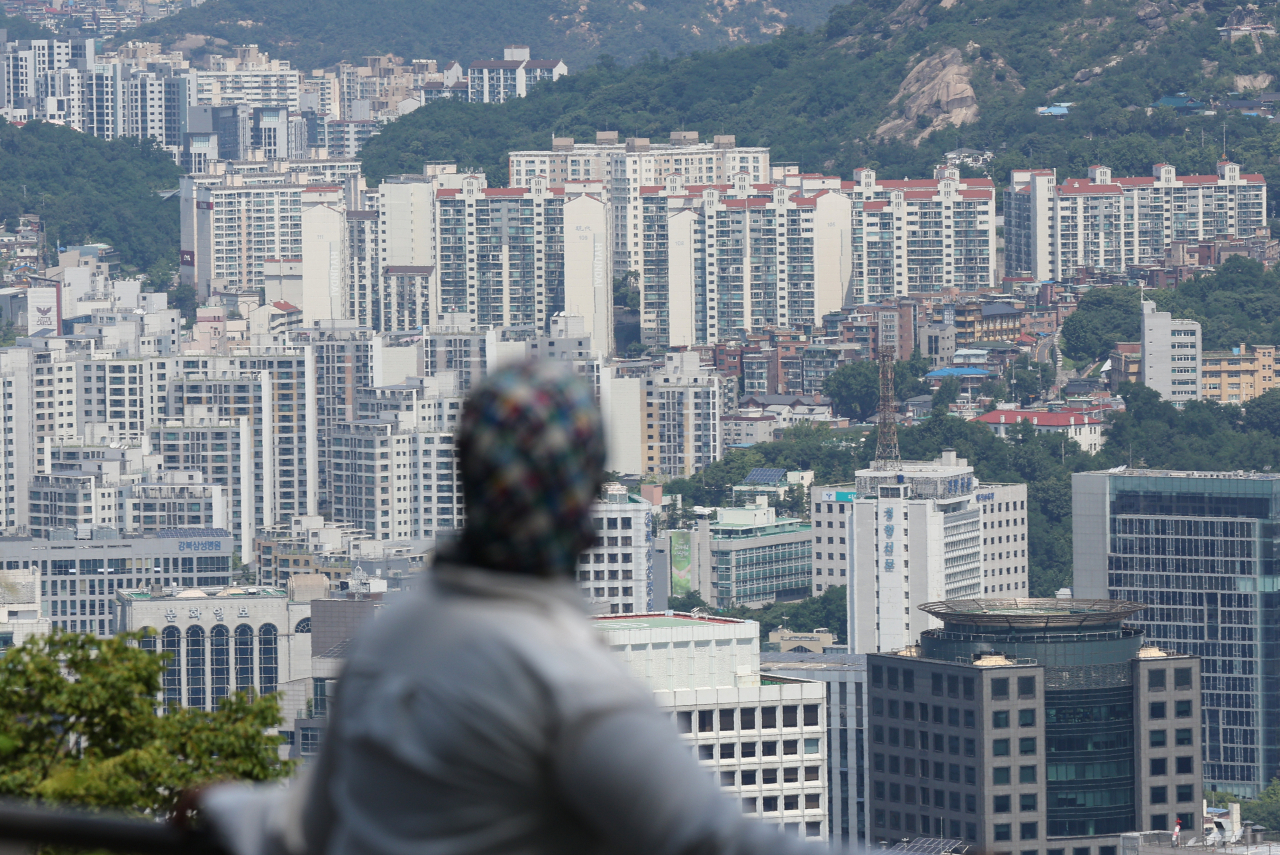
(1027, 745)
(1159, 766)
(789, 718)
(790, 746)
(1026, 774)
(1026, 718)
(749, 805)
(310, 740)
(1158, 738)
(727, 749)
(1182, 709)
(970, 803)
(812, 773)
(1156, 710)
(684, 721)
(1155, 679)
(1026, 687)
(1185, 765)
(1027, 802)
(1159, 795)
(268, 667)
(1001, 804)
(706, 721)
(1000, 718)
(768, 718)
(811, 715)
(706, 752)
(747, 718)
(937, 684)
(1182, 736)
(1185, 793)
(1003, 831)
(1000, 775)
(728, 779)
(970, 775)
(791, 802)
(1000, 747)
(1159, 822)
(770, 805)
(812, 829)
(1182, 678)
(970, 718)
(1029, 831)
(970, 747)
(726, 719)
(1000, 689)
(811, 746)
(220, 663)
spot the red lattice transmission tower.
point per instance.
(887, 455)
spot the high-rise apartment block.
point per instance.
(1197, 548)
(720, 261)
(680, 412)
(1108, 224)
(493, 81)
(625, 168)
(968, 540)
(1171, 349)
(615, 573)
(1036, 726)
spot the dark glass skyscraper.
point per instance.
(1199, 549)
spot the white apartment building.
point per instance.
(616, 572)
(917, 235)
(626, 167)
(233, 224)
(495, 80)
(31, 74)
(722, 260)
(1109, 224)
(250, 78)
(395, 478)
(681, 417)
(968, 541)
(1171, 349)
(765, 741)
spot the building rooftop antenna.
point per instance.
(887, 455)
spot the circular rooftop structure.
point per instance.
(1032, 613)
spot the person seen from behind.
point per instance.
(483, 713)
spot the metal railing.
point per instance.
(25, 823)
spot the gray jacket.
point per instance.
(485, 715)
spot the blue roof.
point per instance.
(958, 372)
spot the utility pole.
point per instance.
(887, 454)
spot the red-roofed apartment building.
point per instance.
(1085, 430)
(1108, 224)
(495, 80)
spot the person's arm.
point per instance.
(629, 775)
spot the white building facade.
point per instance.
(1171, 349)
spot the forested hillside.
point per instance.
(316, 33)
(87, 189)
(17, 27)
(893, 85)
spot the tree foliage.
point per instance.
(1103, 317)
(830, 610)
(1238, 303)
(85, 189)
(316, 33)
(854, 388)
(79, 724)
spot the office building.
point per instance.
(1196, 548)
(221, 640)
(746, 557)
(763, 738)
(625, 168)
(845, 677)
(967, 539)
(616, 572)
(1107, 224)
(1035, 726)
(79, 579)
(1170, 355)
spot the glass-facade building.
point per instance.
(1041, 726)
(1199, 549)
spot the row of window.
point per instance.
(906, 710)
(746, 719)
(768, 777)
(747, 750)
(1000, 775)
(950, 685)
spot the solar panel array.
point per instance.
(931, 846)
(765, 476)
